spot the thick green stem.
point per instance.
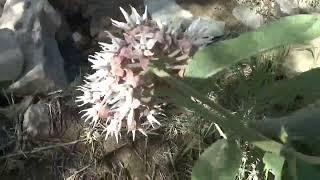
(229, 122)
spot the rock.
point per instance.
(76, 36)
(218, 10)
(248, 16)
(291, 7)
(166, 10)
(2, 2)
(214, 28)
(298, 61)
(98, 11)
(302, 58)
(35, 23)
(70, 49)
(11, 58)
(36, 120)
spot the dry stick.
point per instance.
(40, 149)
(250, 135)
(77, 172)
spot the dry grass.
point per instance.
(168, 153)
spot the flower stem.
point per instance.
(229, 122)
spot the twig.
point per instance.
(77, 172)
(220, 131)
(39, 149)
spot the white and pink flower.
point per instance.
(115, 92)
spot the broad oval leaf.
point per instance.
(288, 30)
(220, 161)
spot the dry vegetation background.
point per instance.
(63, 151)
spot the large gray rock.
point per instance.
(35, 23)
(11, 58)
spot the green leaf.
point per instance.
(274, 164)
(307, 171)
(182, 93)
(277, 94)
(288, 30)
(220, 161)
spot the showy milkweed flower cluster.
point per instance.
(119, 93)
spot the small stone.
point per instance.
(36, 121)
(76, 37)
(166, 10)
(289, 7)
(300, 59)
(248, 16)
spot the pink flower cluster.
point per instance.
(119, 92)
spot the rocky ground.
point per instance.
(43, 56)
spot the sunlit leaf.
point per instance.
(288, 30)
(274, 164)
(301, 93)
(182, 93)
(220, 161)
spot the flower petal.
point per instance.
(145, 14)
(136, 16)
(127, 17)
(120, 25)
(144, 62)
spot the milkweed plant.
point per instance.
(117, 96)
(120, 95)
